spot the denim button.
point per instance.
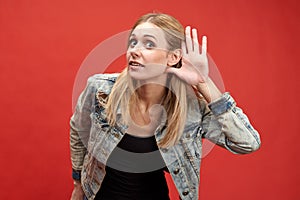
(164, 150)
(117, 135)
(176, 171)
(228, 105)
(188, 135)
(184, 193)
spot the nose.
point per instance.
(134, 51)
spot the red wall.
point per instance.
(43, 43)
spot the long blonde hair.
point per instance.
(124, 95)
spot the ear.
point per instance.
(174, 57)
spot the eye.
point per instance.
(149, 44)
(132, 42)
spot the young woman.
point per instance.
(130, 128)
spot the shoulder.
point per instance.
(103, 78)
(103, 82)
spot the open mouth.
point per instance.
(135, 64)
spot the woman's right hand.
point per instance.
(77, 193)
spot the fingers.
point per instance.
(195, 40)
(188, 39)
(184, 50)
(191, 43)
(204, 45)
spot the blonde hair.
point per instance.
(124, 95)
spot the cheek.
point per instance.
(127, 55)
(157, 57)
(156, 63)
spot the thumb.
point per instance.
(172, 70)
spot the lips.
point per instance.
(135, 64)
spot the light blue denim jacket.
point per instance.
(92, 139)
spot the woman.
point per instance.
(130, 128)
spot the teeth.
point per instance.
(134, 64)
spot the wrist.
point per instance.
(209, 90)
(76, 183)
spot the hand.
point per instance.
(77, 193)
(194, 68)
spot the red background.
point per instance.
(43, 43)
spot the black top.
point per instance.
(134, 171)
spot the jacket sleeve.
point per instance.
(226, 125)
(80, 125)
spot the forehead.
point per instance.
(147, 28)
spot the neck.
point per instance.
(151, 92)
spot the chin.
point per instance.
(149, 78)
(137, 75)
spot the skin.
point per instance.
(148, 46)
(77, 193)
(157, 63)
(195, 69)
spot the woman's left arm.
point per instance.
(223, 122)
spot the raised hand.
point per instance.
(194, 68)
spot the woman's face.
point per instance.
(147, 54)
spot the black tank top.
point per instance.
(134, 171)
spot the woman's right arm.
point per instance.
(80, 125)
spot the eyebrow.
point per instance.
(146, 35)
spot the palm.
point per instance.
(194, 64)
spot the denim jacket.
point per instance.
(92, 139)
